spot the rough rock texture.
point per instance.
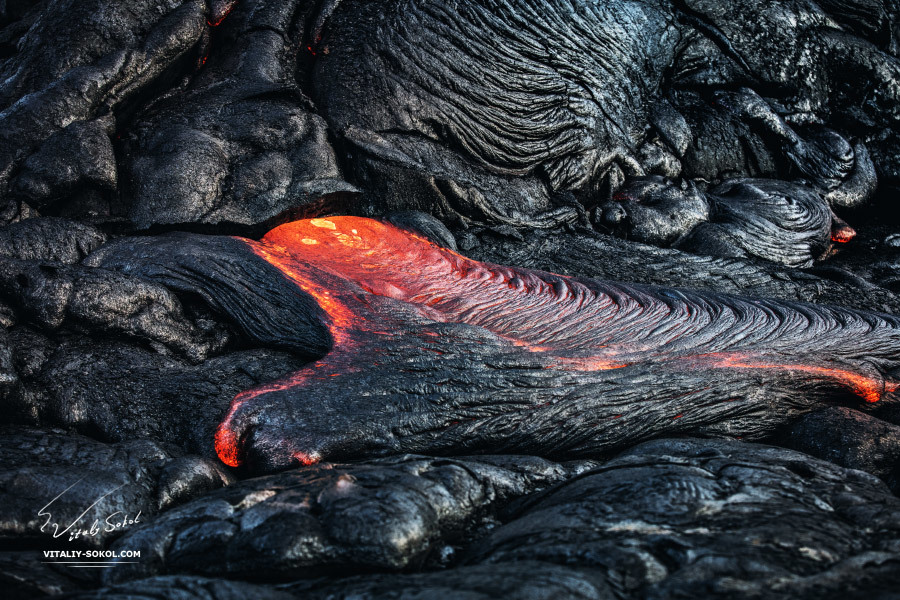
(240, 113)
(24, 576)
(704, 101)
(62, 486)
(763, 218)
(784, 223)
(264, 308)
(812, 62)
(241, 144)
(103, 55)
(852, 439)
(713, 519)
(523, 580)
(184, 588)
(50, 239)
(589, 254)
(455, 137)
(432, 352)
(669, 518)
(520, 581)
(117, 392)
(748, 148)
(52, 295)
(389, 514)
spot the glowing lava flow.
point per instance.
(352, 266)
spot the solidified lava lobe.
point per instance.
(221, 10)
(378, 284)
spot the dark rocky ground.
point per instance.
(748, 150)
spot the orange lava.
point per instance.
(227, 447)
(305, 459)
(870, 389)
(842, 233)
(349, 265)
(338, 259)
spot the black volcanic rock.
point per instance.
(813, 63)
(712, 519)
(50, 239)
(454, 140)
(62, 475)
(103, 54)
(765, 218)
(183, 588)
(708, 100)
(429, 352)
(242, 144)
(79, 156)
(118, 392)
(745, 149)
(669, 518)
(53, 295)
(219, 270)
(653, 210)
(851, 439)
(522, 580)
(24, 575)
(389, 515)
(590, 254)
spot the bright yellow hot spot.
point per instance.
(309, 242)
(325, 223)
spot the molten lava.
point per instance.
(376, 282)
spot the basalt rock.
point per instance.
(739, 134)
(812, 62)
(53, 295)
(63, 486)
(117, 392)
(24, 576)
(851, 439)
(590, 254)
(522, 580)
(713, 519)
(604, 105)
(8, 376)
(763, 218)
(242, 143)
(50, 239)
(183, 588)
(103, 55)
(387, 515)
(720, 143)
(669, 518)
(428, 351)
(653, 210)
(455, 138)
(77, 159)
(769, 219)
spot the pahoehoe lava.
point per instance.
(420, 349)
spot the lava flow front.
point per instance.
(385, 291)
